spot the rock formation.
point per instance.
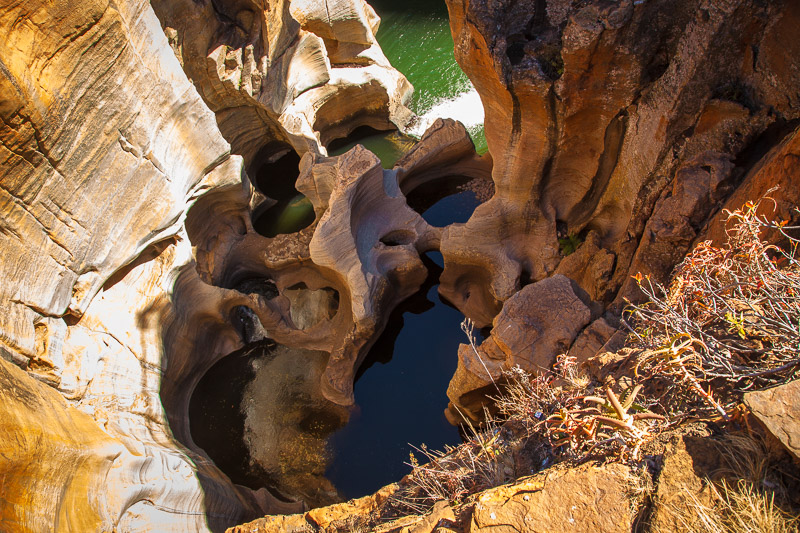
(776, 410)
(131, 261)
(622, 127)
(105, 144)
(139, 141)
(301, 72)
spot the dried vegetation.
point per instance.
(728, 322)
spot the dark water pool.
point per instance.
(400, 394)
(400, 389)
(275, 173)
(259, 415)
(216, 420)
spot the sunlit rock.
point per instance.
(301, 72)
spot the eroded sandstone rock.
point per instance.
(621, 127)
(596, 107)
(536, 324)
(143, 161)
(304, 73)
(617, 131)
(778, 410)
(587, 498)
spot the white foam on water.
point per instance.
(465, 107)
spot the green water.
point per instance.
(287, 216)
(389, 147)
(415, 37)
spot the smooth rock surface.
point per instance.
(300, 72)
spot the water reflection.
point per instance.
(388, 146)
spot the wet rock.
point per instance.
(778, 410)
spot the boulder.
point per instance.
(536, 324)
(586, 498)
(688, 464)
(778, 410)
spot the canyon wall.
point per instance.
(105, 144)
(126, 221)
(131, 262)
(133, 134)
(620, 132)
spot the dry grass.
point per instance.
(750, 496)
(554, 412)
(740, 508)
(730, 319)
(457, 472)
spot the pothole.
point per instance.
(400, 393)
(448, 200)
(260, 417)
(389, 146)
(286, 210)
(311, 307)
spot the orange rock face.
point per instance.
(618, 130)
(131, 264)
(595, 111)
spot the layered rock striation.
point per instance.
(302, 72)
(619, 131)
(131, 263)
(139, 141)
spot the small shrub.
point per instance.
(554, 411)
(567, 245)
(576, 423)
(729, 320)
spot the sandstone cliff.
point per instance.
(106, 145)
(134, 139)
(624, 128)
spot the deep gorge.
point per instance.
(240, 237)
